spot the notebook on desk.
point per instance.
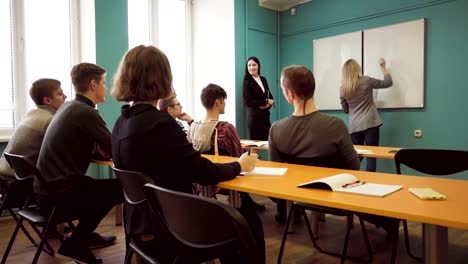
(348, 183)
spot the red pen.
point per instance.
(352, 184)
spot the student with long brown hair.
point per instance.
(150, 141)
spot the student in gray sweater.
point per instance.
(29, 133)
(357, 100)
(307, 133)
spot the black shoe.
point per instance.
(72, 250)
(95, 240)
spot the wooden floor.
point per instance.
(298, 248)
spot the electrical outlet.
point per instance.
(418, 133)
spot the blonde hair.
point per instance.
(351, 73)
(144, 74)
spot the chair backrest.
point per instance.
(199, 222)
(23, 168)
(432, 161)
(132, 183)
(330, 161)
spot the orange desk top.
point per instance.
(401, 204)
(378, 151)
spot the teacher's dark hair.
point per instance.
(247, 75)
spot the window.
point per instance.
(38, 39)
(198, 39)
(7, 99)
(148, 22)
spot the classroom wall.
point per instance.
(441, 119)
(256, 32)
(111, 45)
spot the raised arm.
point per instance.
(387, 81)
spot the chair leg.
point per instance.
(25, 231)
(12, 240)
(407, 244)
(43, 238)
(285, 233)
(348, 230)
(370, 252)
(395, 243)
(128, 256)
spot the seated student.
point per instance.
(173, 107)
(307, 133)
(28, 135)
(210, 135)
(75, 132)
(150, 141)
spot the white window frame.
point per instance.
(82, 48)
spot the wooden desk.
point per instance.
(374, 151)
(435, 216)
(378, 151)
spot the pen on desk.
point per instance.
(353, 184)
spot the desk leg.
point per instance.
(119, 207)
(234, 199)
(435, 244)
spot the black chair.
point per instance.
(202, 229)
(17, 196)
(435, 162)
(37, 218)
(332, 161)
(132, 183)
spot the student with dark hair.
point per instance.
(211, 136)
(357, 100)
(172, 106)
(150, 141)
(29, 133)
(307, 133)
(75, 133)
(257, 100)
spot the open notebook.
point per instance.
(348, 183)
(266, 171)
(254, 143)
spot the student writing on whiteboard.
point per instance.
(357, 101)
(307, 136)
(257, 100)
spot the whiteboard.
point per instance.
(329, 55)
(402, 46)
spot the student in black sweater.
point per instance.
(75, 133)
(150, 141)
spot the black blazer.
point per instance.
(254, 97)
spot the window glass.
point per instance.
(6, 66)
(47, 43)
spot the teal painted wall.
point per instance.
(111, 45)
(441, 119)
(256, 33)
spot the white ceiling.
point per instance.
(280, 5)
